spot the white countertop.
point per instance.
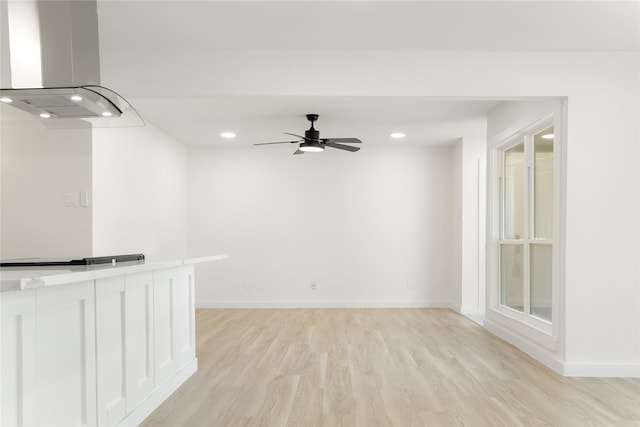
(19, 278)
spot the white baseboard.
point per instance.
(474, 314)
(159, 395)
(562, 368)
(476, 318)
(471, 311)
(533, 350)
(601, 370)
(328, 304)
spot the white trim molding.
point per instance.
(329, 304)
(526, 330)
(565, 369)
(537, 352)
(471, 311)
(161, 393)
(601, 370)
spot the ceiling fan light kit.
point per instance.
(312, 143)
(311, 147)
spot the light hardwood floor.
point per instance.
(378, 367)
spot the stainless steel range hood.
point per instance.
(53, 70)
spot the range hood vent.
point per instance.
(53, 71)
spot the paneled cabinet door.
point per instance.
(174, 325)
(124, 316)
(111, 350)
(18, 353)
(66, 382)
(139, 337)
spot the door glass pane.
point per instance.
(540, 281)
(514, 190)
(543, 184)
(511, 277)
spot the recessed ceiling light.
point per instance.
(107, 114)
(547, 136)
(5, 99)
(398, 135)
(228, 135)
(76, 98)
(45, 115)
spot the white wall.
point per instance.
(370, 228)
(457, 194)
(136, 179)
(510, 118)
(577, 326)
(140, 193)
(38, 167)
(468, 178)
(473, 244)
(603, 175)
(602, 310)
(603, 203)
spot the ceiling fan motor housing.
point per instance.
(312, 134)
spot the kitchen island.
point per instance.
(95, 345)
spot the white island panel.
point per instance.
(96, 345)
(18, 363)
(111, 350)
(66, 360)
(139, 338)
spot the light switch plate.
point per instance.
(84, 198)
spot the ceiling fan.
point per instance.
(312, 143)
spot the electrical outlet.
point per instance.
(247, 285)
(409, 284)
(314, 286)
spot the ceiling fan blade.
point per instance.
(345, 140)
(341, 147)
(298, 152)
(300, 136)
(283, 142)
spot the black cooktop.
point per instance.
(37, 262)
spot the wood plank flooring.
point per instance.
(378, 367)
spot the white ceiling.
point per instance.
(372, 25)
(147, 46)
(200, 121)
